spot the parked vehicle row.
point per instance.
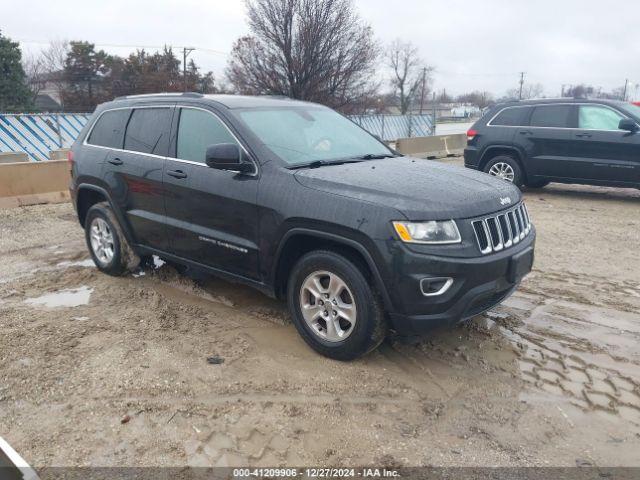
(570, 141)
(295, 200)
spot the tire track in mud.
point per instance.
(584, 349)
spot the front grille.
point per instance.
(497, 232)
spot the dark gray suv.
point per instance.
(569, 140)
(297, 201)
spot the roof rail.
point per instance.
(162, 94)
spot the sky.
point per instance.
(472, 45)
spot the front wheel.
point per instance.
(107, 244)
(506, 168)
(334, 308)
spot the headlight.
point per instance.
(434, 232)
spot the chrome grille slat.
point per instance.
(495, 233)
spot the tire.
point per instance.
(361, 335)
(507, 164)
(537, 184)
(107, 244)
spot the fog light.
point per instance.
(433, 287)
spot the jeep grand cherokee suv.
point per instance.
(570, 141)
(295, 200)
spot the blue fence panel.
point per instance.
(392, 127)
(38, 134)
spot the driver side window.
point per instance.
(198, 130)
(598, 118)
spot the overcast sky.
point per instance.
(473, 45)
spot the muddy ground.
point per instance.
(552, 377)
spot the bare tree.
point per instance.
(408, 72)
(36, 72)
(317, 50)
(48, 68)
(529, 91)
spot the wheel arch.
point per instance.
(299, 241)
(88, 195)
(496, 150)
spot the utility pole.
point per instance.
(433, 123)
(624, 93)
(185, 53)
(521, 84)
(424, 82)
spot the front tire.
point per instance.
(107, 244)
(334, 308)
(507, 168)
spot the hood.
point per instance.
(420, 189)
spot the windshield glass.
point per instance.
(299, 135)
(632, 109)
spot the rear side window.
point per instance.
(197, 131)
(593, 117)
(551, 116)
(109, 129)
(509, 117)
(148, 131)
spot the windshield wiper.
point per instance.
(377, 156)
(323, 163)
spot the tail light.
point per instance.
(70, 160)
(471, 134)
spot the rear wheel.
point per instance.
(334, 308)
(107, 244)
(506, 168)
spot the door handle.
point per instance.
(583, 135)
(525, 132)
(116, 161)
(177, 174)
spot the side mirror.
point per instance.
(227, 156)
(628, 125)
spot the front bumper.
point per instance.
(478, 284)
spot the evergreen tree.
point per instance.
(15, 95)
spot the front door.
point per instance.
(613, 155)
(211, 214)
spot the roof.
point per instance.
(551, 101)
(229, 101)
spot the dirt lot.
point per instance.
(552, 377)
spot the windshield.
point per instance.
(299, 135)
(632, 109)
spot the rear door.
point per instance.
(134, 173)
(106, 135)
(211, 214)
(612, 155)
(546, 142)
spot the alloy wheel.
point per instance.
(101, 238)
(328, 306)
(502, 170)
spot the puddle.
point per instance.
(63, 298)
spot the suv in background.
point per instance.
(299, 202)
(536, 142)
